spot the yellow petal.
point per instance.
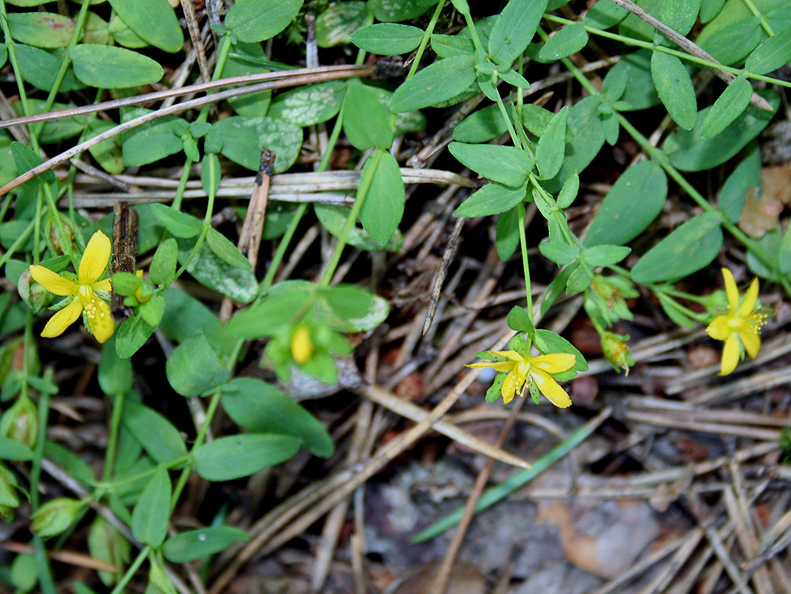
(731, 290)
(512, 355)
(748, 305)
(550, 388)
(62, 320)
(751, 342)
(730, 355)
(102, 286)
(512, 384)
(99, 319)
(52, 282)
(496, 365)
(554, 362)
(719, 329)
(95, 259)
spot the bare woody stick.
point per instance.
(124, 253)
(253, 228)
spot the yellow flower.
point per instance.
(741, 325)
(86, 294)
(522, 371)
(301, 345)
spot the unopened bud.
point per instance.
(55, 517)
(20, 422)
(617, 351)
(301, 344)
(32, 293)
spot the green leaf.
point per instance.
(349, 308)
(679, 15)
(186, 316)
(14, 451)
(274, 312)
(675, 88)
(150, 142)
(554, 289)
(709, 9)
(40, 68)
(132, 335)
(115, 374)
(160, 439)
(226, 251)
(551, 145)
(675, 315)
(389, 11)
(69, 462)
(152, 310)
(233, 457)
(568, 192)
(261, 408)
(728, 106)
(333, 218)
(215, 273)
(481, 126)
(41, 29)
(442, 80)
(548, 342)
(309, 105)
(163, 266)
(569, 40)
(366, 119)
(387, 39)
(772, 54)
(733, 43)
(253, 21)
(152, 511)
(689, 248)
(204, 542)
(514, 29)
(336, 24)
(633, 202)
(244, 137)
(507, 232)
(244, 59)
(560, 253)
(383, 207)
(783, 255)
(689, 152)
(178, 223)
(507, 165)
(639, 91)
(519, 320)
(107, 153)
(604, 14)
(604, 255)
(154, 21)
(194, 368)
(491, 199)
(108, 67)
(745, 177)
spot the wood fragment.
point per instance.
(124, 253)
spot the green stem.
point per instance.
(119, 400)
(520, 213)
(131, 570)
(362, 191)
(185, 175)
(764, 23)
(425, 39)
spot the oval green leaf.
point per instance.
(152, 511)
(772, 54)
(675, 88)
(383, 207)
(569, 40)
(41, 29)
(728, 106)
(689, 248)
(309, 105)
(438, 82)
(233, 457)
(153, 21)
(252, 21)
(507, 165)
(204, 542)
(491, 199)
(366, 123)
(387, 39)
(634, 201)
(514, 29)
(261, 408)
(154, 432)
(108, 67)
(194, 368)
(336, 24)
(243, 139)
(349, 308)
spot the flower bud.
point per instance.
(32, 293)
(617, 351)
(20, 422)
(55, 517)
(301, 344)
